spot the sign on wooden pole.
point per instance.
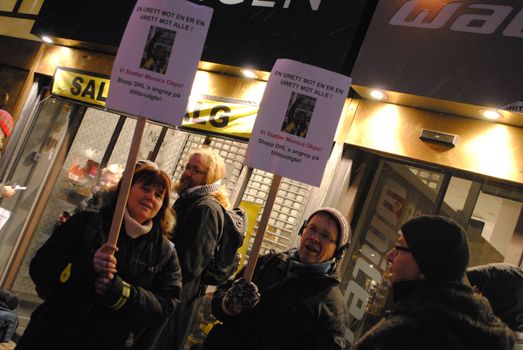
(294, 130)
(125, 184)
(260, 231)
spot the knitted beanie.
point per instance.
(342, 224)
(6, 122)
(439, 246)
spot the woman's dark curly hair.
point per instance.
(150, 174)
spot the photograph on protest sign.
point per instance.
(298, 115)
(157, 59)
(158, 49)
(294, 130)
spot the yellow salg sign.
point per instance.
(80, 86)
(229, 118)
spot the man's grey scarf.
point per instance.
(200, 191)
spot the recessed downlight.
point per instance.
(490, 114)
(47, 39)
(249, 73)
(377, 95)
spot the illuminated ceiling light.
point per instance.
(490, 114)
(249, 73)
(47, 39)
(377, 95)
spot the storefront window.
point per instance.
(30, 168)
(492, 216)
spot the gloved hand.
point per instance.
(242, 296)
(7, 191)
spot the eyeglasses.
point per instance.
(402, 249)
(194, 170)
(324, 235)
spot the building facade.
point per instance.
(380, 172)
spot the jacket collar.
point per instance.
(405, 289)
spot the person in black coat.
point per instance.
(433, 308)
(294, 300)
(103, 296)
(502, 285)
(200, 221)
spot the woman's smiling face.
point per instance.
(144, 201)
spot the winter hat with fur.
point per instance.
(439, 246)
(343, 225)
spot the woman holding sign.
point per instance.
(102, 296)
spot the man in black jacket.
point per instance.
(433, 309)
(199, 224)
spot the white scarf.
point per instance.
(133, 228)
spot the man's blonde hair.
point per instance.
(215, 171)
(214, 162)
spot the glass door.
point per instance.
(30, 170)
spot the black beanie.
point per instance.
(439, 246)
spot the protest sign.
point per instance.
(4, 216)
(157, 59)
(297, 120)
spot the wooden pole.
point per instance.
(241, 184)
(125, 184)
(260, 231)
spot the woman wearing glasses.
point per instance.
(294, 300)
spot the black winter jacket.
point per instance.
(502, 285)
(437, 316)
(73, 316)
(199, 224)
(297, 310)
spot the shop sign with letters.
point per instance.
(232, 118)
(86, 87)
